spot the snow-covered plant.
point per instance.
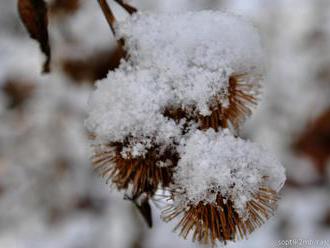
(224, 186)
(167, 119)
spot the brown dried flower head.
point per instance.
(144, 174)
(209, 223)
(229, 201)
(241, 98)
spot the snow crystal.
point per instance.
(178, 60)
(213, 163)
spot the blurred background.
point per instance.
(49, 195)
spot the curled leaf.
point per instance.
(33, 14)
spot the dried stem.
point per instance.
(130, 9)
(108, 14)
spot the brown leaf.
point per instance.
(93, 67)
(64, 7)
(33, 14)
(314, 142)
(18, 92)
(327, 219)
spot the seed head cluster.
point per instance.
(167, 119)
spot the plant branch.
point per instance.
(108, 14)
(130, 9)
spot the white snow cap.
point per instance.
(195, 51)
(224, 164)
(129, 103)
(210, 40)
(174, 60)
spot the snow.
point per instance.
(196, 64)
(130, 103)
(162, 38)
(226, 165)
(170, 64)
(51, 128)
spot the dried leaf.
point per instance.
(142, 204)
(64, 7)
(314, 142)
(18, 92)
(93, 67)
(33, 14)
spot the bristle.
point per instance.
(241, 99)
(142, 172)
(219, 221)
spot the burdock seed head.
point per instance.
(228, 108)
(220, 221)
(159, 122)
(224, 187)
(141, 174)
